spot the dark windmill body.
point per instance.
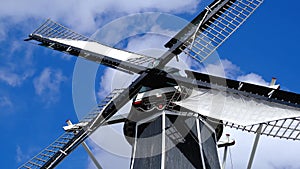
(164, 131)
(164, 136)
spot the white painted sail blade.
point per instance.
(235, 108)
(99, 48)
(58, 37)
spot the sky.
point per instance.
(37, 93)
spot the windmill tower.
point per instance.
(182, 133)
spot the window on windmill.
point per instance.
(175, 135)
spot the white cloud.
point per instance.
(231, 70)
(225, 68)
(222, 68)
(10, 78)
(149, 42)
(16, 63)
(47, 84)
(113, 79)
(85, 15)
(253, 78)
(14, 79)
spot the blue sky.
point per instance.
(36, 83)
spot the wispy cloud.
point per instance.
(222, 68)
(14, 79)
(10, 78)
(226, 68)
(108, 81)
(16, 63)
(47, 84)
(5, 102)
(2, 32)
(20, 155)
(150, 42)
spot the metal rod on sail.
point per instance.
(224, 157)
(258, 133)
(226, 144)
(87, 149)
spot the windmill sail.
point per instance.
(98, 117)
(67, 142)
(58, 37)
(212, 27)
(280, 110)
(244, 106)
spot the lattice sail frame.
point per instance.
(51, 29)
(52, 154)
(219, 27)
(283, 129)
(213, 26)
(53, 35)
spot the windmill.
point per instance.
(197, 40)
